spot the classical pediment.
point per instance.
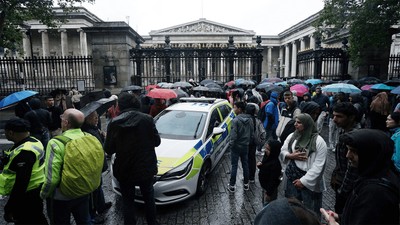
(202, 26)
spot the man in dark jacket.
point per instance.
(132, 136)
(40, 120)
(375, 197)
(241, 133)
(55, 112)
(343, 176)
(323, 102)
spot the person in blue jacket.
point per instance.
(272, 116)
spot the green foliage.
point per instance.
(13, 14)
(368, 22)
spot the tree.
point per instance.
(13, 14)
(369, 25)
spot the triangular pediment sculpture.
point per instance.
(202, 26)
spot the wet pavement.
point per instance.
(216, 206)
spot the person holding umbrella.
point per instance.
(97, 197)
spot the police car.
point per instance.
(194, 136)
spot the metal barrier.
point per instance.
(394, 67)
(171, 63)
(323, 63)
(44, 74)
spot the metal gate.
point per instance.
(323, 63)
(45, 74)
(220, 62)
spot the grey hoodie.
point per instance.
(241, 131)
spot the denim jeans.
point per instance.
(60, 211)
(243, 154)
(312, 200)
(128, 200)
(252, 161)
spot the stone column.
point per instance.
(45, 43)
(302, 44)
(312, 41)
(280, 61)
(269, 61)
(64, 42)
(83, 42)
(26, 43)
(294, 59)
(287, 54)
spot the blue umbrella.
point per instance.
(341, 87)
(382, 87)
(263, 85)
(283, 83)
(396, 91)
(16, 97)
(313, 81)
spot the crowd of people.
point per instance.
(364, 134)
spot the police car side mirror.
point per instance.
(218, 130)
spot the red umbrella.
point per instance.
(300, 89)
(151, 86)
(162, 93)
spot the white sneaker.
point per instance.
(231, 188)
(246, 187)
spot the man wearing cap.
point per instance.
(22, 175)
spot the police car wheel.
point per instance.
(202, 182)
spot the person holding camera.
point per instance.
(304, 155)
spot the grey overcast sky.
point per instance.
(265, 17)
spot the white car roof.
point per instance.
(196, 104)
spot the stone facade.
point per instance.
(109, 42)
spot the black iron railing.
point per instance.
(44, 74)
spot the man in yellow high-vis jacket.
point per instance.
(22, 175)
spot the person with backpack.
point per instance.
(98, 205)
(73, 167)
(375, 197)
(259, 137)
(242, 130)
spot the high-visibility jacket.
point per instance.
(7, 177)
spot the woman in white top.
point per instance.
(303, 154)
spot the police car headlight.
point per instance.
(179, 171)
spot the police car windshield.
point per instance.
(175, 124)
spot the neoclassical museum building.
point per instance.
(97, 54)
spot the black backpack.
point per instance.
(262, 114)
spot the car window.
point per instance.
(175, 124)
(215, 120)
(225, 110)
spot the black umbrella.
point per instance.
(131, 88)
(200, 88)
(271, 88)
(369, 80)
(215, 89)
(206, 81)
(212, 85)
(394, 82)
(101, 106)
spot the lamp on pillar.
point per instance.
(231, 54)
(167, 49)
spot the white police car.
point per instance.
(194, 136)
